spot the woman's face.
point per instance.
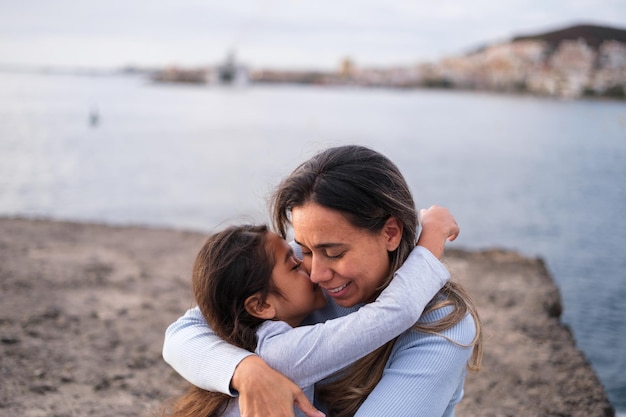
(348, 262)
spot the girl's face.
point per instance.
(349, 263)
(298, 295)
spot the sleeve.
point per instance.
(308, 354)
(199, 355)
(203, 359)
(425, 374)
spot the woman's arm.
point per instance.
(210, 363)
(199, 355)
(308, 354)
(424, 375)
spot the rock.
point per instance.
(84, 307)
(531, 366)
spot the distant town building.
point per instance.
(175, 74)
(571, 62)
(347, 68)
(564, 68)
(229, 72)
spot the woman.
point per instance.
(337, 202)
(252, 291)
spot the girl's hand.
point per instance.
(264, 392)
(438, 226)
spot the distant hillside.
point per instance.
(592, 34)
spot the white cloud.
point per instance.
(273, 32)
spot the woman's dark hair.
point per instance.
(362, 184)
(367, 188)
(232, 265)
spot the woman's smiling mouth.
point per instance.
(337, 290)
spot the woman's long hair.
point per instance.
(368, 189)
(231, 266)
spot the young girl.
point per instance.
(252, 291)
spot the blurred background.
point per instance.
(186, 114)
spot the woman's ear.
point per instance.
(393, 233)
(256, 306)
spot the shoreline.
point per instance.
(84, 308)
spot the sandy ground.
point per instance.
(83, 309)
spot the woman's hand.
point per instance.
(438, 226)
(264, 392)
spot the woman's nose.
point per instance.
(319, 272)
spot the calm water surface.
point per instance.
(545, 177)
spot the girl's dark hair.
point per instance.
(367, 188)
(232, 265)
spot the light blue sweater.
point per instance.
(424, 375)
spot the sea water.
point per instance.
(542, 176)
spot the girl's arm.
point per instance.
(308, 354)
(197, 354)
(208, 362)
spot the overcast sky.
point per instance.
(274, 33)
